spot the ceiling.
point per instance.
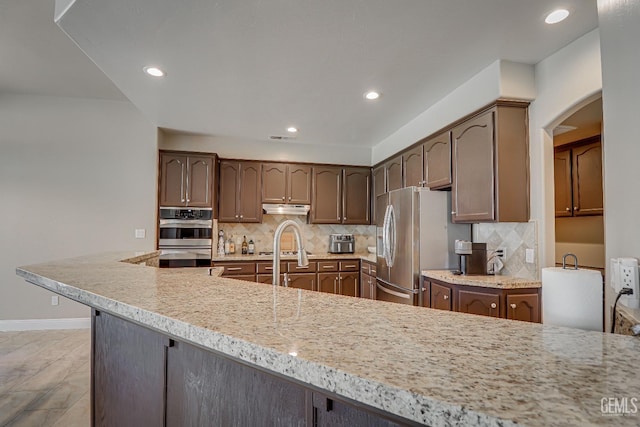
(249, 69)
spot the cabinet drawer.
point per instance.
(327, 266)
(293, 267)
(235, 268)
(353, 265)
(365, 268)
(267, 267)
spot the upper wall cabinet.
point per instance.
(341, 195)
(286, 183)
(186, 180)
(437, 161)
(394, 173)
(578, 179)
(379, 186)
(412, 167)
(240, 197)
(490, 166)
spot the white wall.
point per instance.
(291, 151)
(77, 176)
(620, 32)
(565, 81)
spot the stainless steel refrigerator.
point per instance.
(413, 233)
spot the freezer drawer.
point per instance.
(390, 293)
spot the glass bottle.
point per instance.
(232, 245)
(252, 247)
(245, 245)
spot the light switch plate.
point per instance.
(530, 256)
(140, 233)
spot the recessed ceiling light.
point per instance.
(292, 129)
(371, 95)
(154, 71)
(556, 16)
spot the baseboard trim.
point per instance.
(44, 324)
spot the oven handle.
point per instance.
(186, 223)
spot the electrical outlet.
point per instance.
(529, 256)
(501, 252)
(625, 275)
(54, 300)
(140, 233)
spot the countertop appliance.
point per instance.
(342, 244)
(473, 257)
(413, 233)
(185, 237)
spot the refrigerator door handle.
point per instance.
(385, 236)
(392, 236)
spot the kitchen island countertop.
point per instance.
(312, 257)
(430, 366)
(485, 281)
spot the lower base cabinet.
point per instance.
(140, 377)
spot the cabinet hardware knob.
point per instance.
(567, 209)
(494, 305)
(289, 198)
(453, 212)
(188, 200)
(513, 306)
(423, 289)
(282, 198)
(182, 200)
(446, 297)
(241, 216)
(575, 208)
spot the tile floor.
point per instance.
(44, 378)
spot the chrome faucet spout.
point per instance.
(303, 261)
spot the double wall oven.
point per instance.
(185, 237)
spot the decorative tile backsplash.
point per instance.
(316, 236)
(516, 237)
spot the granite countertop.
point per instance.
(431, 366)
(489, 281)
(626, 318)
(313, 257)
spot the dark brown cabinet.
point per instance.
(341, 195)
(240, 192)
(516, 304)
(437, 161)
(367, 280)
(578, 178)
(328, 412)
(484, 304)
(286, 183)
(339, 277)
(186, 180)
(412, 166)
(394, 173)
(328, 282)
(379, 187)
(490, 167)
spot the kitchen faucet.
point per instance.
(303, 261)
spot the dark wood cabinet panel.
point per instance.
(525, 307)
(587, 179)
(349, 284)
(356, 196)
(326, 205)
(379, 181)
(485, 304)
(394, 173)
(199, 392)
(328, 412)
(367, 286)
(437, 161)
(293, 267)
(441, 297)
(490, 167)
(240, 192)
(412, 166)
(328, 282)
(302, 281)
(128, 373)
(562, 182)
(286, 183)
(186, 180)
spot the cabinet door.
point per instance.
(274, 182)
(587, 180)
(299, 184)
(334, 413)
(302, 281)
(437, 161)
(379, 187)
(228, 195)
(350, 284)
(356, 196)
(524, 307)
(562, 182)
(365, 286)
(473, 169)
(412, 167)
(173, 180)
(250, 184)
(328, 282)
(326, 206)
(128, 373)
(199, 393)
(441, 297)
(199, 181)
(394, 173)
(481, 303)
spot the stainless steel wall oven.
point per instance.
(185, 237)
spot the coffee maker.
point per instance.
(472, 256)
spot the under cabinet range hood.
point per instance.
(283, 209)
